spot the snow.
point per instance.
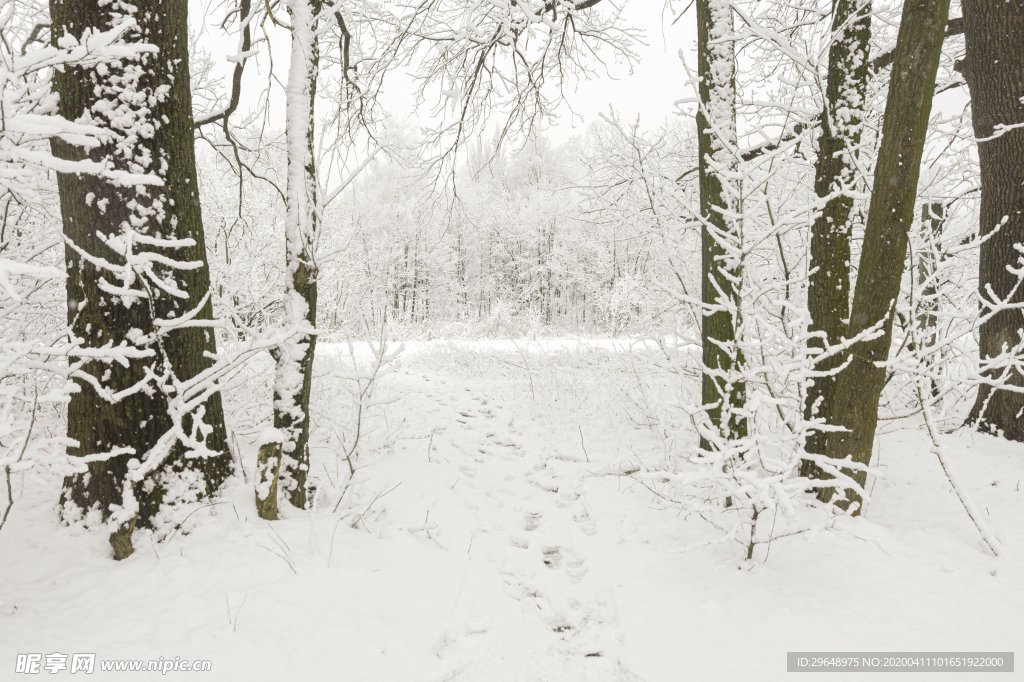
(485, 536)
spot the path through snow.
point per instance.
(531, 524)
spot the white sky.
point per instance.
(657, 81)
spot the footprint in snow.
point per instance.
(583, 519)
(555, 557)
(519, 542)
(552, 556)
(575, 567)
(546, 483)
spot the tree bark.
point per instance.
(859, 385)
(153, 135)
(994, 70)
(828, 292)
(722, 392)
(289, 464)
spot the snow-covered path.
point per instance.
(483, 540)
(531, 524)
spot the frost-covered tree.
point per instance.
(35, 357)
(859, 383)
(835, 181)
(284, 459)
(722, 393)
(147, 418)
(503, 63)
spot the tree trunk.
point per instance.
(858, 386)
(120, 303)
(994, 70)
(828, 292)
(288, 464)
(721, 392)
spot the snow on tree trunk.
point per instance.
(859, 385)
(723, 393)
(285, 463)
(828, 291)
(994, 69)
(137, 276)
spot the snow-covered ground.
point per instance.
(484, 538)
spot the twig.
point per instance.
(356, 521)
(986, 534)
(179, 525)
(7, 469)
(582, 445)
(341, 497)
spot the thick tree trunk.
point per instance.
(287, 465)
(154, 135)
(828, 292)
(859, 385)
(722, 392)
(994, 69)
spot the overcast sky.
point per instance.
(650, 90)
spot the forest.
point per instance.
(427, 340)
